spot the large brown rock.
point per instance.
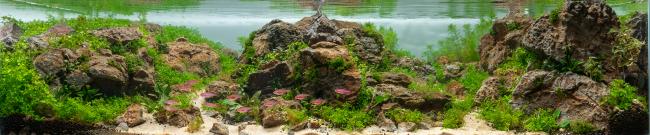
(395, 79)
(133, 116)
(121, 35)
(489, 90)
(143, 81)
(275, 114)
(273, 74)
(109, 73)
(10, 34)
(328, 79)
(188, 57)
(219, 129)
(222, 89)
(178, 118)
(275, 35)
(406, 98)
(631, 121)
(52, 62)
(577, 97)
(496, 47)
(581, 31)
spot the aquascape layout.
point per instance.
(324, 67)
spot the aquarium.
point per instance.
(310, 67)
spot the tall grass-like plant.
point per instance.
(462, 44)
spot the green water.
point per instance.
(418, 23)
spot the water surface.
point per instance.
(418, 23)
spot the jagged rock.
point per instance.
(219, 129)
(273, 74)
(109, 73)
(10, 34)
(328, 79)
(489, 90)
(133, 116)
(417, 65)
(178, 118)
(77, 79)
(199, 59)
(153, 28)
(50, 63)
(639, 26)
(143, 81)
(414, 100)
(507, 35)
(121, 35)
(407, 126)
(453, 70)
(583, 26)
(275, 35)
(576, 97)
(386, 123)
(299, 126)
(222, 89)
(275, 114)
(395, 79)
(631, 121)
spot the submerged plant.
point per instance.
(622, 95)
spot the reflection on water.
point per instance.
(418, 23)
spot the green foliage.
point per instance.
(405, 115)
(543, 120)
(345, 117)
(339, 64)
(622, 95)
(460, 45)
(133, 62)
(295, 116)
(501, 114)
(555, 15)
(626, 49)
(454, 116)
(511, 26)
(171, 33)
(593, 69)
(22, 87)
(581, 127)
(473, 78)
(98, 110)
(520, 60)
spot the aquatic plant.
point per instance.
(501, 114)
(460, 45)
(581, 127)
(296, 116)
(543, 120)
(345, 117)
(404, 115)
(622, 95)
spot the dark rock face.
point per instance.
(77, 79)
(178, 118)
(133, 116)
(631, 121)
(120, 35)
(489, 90)
(199, 59)
(639, 30)
(414, 100)
(497, 47)
(275, 35)
(109, 73)
(328, 79)
(51, 63)
(143, 81)
(10, 34)
(272, 74)
(581, 32)
(395, 79)
(576, 96)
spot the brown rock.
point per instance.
(10, 34)
(276, 34)
(273, 74)
(489, 90)
(328, 79)
(121, 35)
(457, 89)
(178, 118)
(222, 89)
(396, 79)
(219, 129)
(50, 63)
(109, 74)
(407, 126)
(199, 59)
(631, 121)
(576, 97)
(133, 116)
(412, 100)
(77, 79)
(143, 81)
